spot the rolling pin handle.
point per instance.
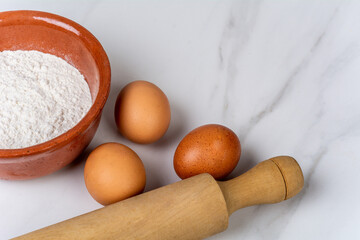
(271, 181)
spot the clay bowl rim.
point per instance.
(97, 105)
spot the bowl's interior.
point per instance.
(49, 35)
(53, 34)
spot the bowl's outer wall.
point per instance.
(37, 165)
(32, 30)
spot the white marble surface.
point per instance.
(284, 75)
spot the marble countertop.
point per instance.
(284, 75)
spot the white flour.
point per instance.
(41, 97)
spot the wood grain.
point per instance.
(195, 208)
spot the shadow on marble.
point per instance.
(153, 179)
(79, 161)
(176, 129)
(246, 162)
(116, 86)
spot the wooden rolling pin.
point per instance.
(195, 208)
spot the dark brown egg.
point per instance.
(212, 149)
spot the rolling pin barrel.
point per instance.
(194, 208)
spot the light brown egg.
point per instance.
(142, 112)
(114, 172)
(212, 149)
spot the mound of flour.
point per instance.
(41, 97)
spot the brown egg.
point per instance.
(114, 172)
(142, 112)
(212, 149)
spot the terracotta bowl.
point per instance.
(49, 33)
